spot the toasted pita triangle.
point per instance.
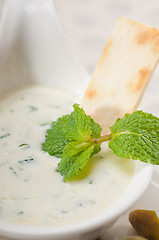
(123, 72)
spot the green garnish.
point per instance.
(5, 135)
(13, 171)
(24, 145)
(33, 108)
(76, 137)
(26, 161)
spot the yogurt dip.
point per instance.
(31, 191)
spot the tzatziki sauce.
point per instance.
(32, 192)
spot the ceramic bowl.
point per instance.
(34, 50)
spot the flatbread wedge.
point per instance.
(122, 73)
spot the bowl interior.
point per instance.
(34, 50)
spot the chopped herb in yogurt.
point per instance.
(26, 161)
(33, 108)
(13, 171)
(5, 135)
(24, 145)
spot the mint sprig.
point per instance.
(76, 137)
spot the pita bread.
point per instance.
(122, 73)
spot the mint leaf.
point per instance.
(136, 136)
(80, 127)
(56, 139)
(75, 157)
(74, 132)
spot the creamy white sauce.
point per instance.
(31, 191)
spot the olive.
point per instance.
(135, 238)
(145, 223)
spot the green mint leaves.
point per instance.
(75, 157)
(70, 139)
(136, 136)
(76, 137)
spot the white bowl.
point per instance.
(34, 50)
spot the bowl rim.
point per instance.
(110, 214)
